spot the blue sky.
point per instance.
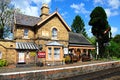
(68, 9)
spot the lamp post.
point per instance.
(97, 46)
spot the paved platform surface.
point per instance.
(12, 68)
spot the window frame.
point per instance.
(54, 33)
(26, 33)
(49, 53)
(0, 55)
(56, 53)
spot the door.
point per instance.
(21, 57)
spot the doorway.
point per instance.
(21, 57)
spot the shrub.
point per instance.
(33, 54)
(3, 62)
(67, 59)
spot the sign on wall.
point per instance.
(65, 50)
(41, 54)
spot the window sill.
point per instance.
(26, 37)
(54, 38)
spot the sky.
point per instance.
(68, 9)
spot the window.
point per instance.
(25, 33)
(56, 53)
(49, 53)
(54, 33)
(0, 55)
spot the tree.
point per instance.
(78, 26)
(100, 28)
(6, 11)
(113, 49)
(117, 39)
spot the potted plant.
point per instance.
(67, 59)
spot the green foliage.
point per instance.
(92, 40)
(99, 24)
(3, 62)
(100, 28)
(117, 39)
(78, 26)
(114, 49)
(6, 11)
(98, 12)
(33, 54)
(67, 59)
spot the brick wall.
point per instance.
(46, 28)
(56, 73)
(7, 48)
(19, 33)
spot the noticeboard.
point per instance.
(41, 54)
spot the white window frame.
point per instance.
(54, 33)
(49, 53)
(56, 53)
(0, 55)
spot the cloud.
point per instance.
(88, 30)
(114, 4)
(64, 14)
(111, 6)
(110, 12)
(98, 2)
(114, 30)
(79, 8)
(30, 7)
(59, 0)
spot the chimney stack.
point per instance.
(44, 11)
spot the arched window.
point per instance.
(25, 33)
(54, 33)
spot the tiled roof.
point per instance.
(26, 45)
(77, 38)
(26, 20)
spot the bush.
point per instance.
(67, 59)
(3, 62)
(33, 54)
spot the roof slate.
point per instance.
(26, 45)
(77, 38)
(26, 20)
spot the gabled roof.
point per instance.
(22, 19)
(77, 38)
(53, 14)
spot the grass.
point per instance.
(115, 58)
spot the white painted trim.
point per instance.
(0, 55)
(54, 69)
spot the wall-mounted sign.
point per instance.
(65, 50)
(41, 54)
